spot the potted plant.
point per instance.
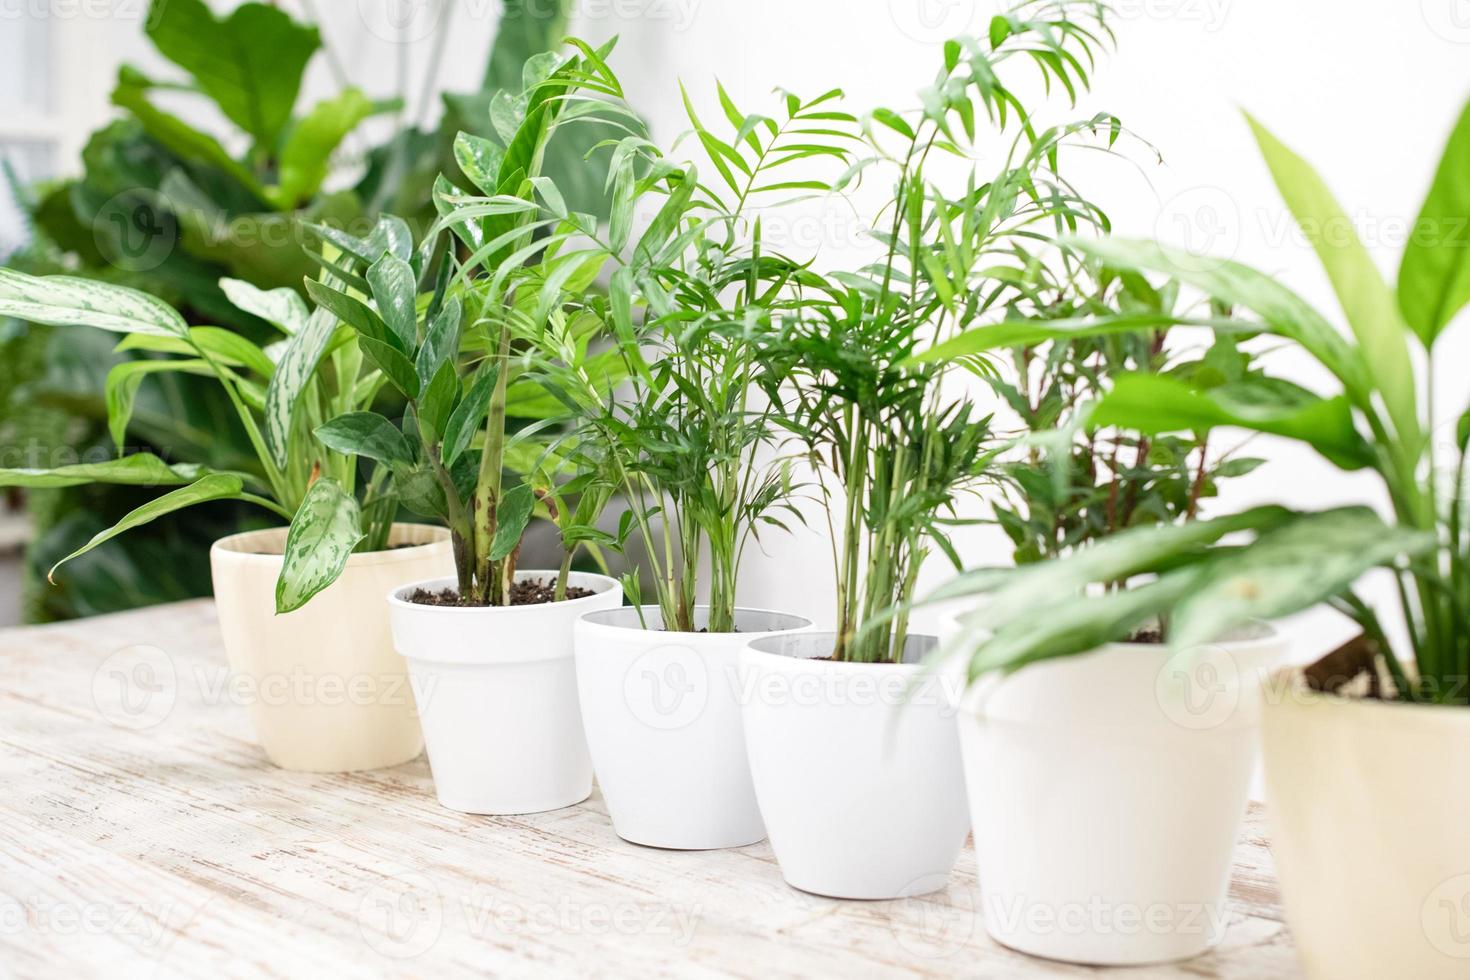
(1107, 776)
(1365, 829)
(490, 647)
(686, 440)
(326, 691)
(853, 748)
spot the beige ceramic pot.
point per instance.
(325, 689)
(1368, 803)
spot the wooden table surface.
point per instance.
(143, 832)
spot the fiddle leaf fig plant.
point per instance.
(1278, 561)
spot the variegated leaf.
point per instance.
(68, 301)
(138, 470)
(282, 307)
(327, 526)
(293, 373)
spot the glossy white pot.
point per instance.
(497, 692)
(856, 768)
(662, 714)
(325, 690)
(1367, 804)
(1107, 792)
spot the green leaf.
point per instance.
(1293, 567)
(293, 374)
(1027, 333)
(69, 301)
(215, 486)
(480, 160)
(307, 155)
(230, 348)
(441, 341)
(250, 63)
(1434, 276)
(121, 389)
(327, 526)
(436, 401)
(1365, 298)
(138, 470)
(1156, 404)
(396, 293)
(283, 307)
(459, 431)
(366, 434)
(353, 312)
(395, 367)
(512, 514)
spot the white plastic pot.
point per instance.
(1367, 804)
(1107, 792)
(497, 693)
(325, 690)
(662, 714)
(856, 768)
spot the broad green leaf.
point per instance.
(1434, 276)
(480, 160)
(1282, 311)
(441, 340)
(293, 375)
(1366, 300)
(307, 155)
(181, 139)
(459, 431)
(249, 62)
(233, 349)
(396, 293)
(421, 493)
(436, 401)
(512, 514)
(1027, 333)
(283, 308)
(1156, 404)
(353, 312)
(138, 470)
(327, 526)
(69, 301)
(395, 367)
(366, 434)
(121, 389)
(1287, 569)
(215, 486)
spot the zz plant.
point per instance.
(1269, 561)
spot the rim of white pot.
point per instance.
(762, 647)
(626, 618)
(232, 547)
(397, 594)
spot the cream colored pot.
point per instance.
(1368, 803)
(325, 689)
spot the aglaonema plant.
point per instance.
(279, 393)
(513, 262)
(901, 445)
(1266, 562)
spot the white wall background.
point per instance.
(1366, 89)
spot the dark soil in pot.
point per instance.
(530, 592)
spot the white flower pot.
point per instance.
(662, 713)
(497, 693)
(325, 690)
(1367, 804)
(1107, 792)
(856, 768)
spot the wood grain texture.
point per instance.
(143, 833)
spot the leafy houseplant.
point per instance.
(280, 393)
(1337, 764)
(902, 447)
(163, 206)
